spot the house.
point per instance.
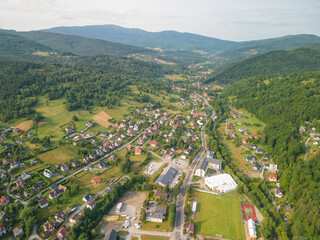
(4, 201)
(253, 146)
(87, 198)
(75, 218)
(161, 194)
(25, 176)
(56, 193)
(64, 167)
(184, 156)
(14, 164)
(43, 203)
(190, 229)
(242, 130)
(259, 150)
(243, 140)
(278, 192)
(272, 168)
(95, 180)
(137, 151)
(47, 173)
(157, 215)
(60, 215)
(265, 156)
(233, 135)
(250, 158)
(37, 186)
(154, 144)
(69, 129)
(3, 231)
(62, 233)
(302, 129)
(256, 166)
(75, 163)
(20, 183)
(273, 178)
(112, 157)
(48, 226)
(16, 130)
(89, 124)
(91, 205)
(17, 231)
(102, 165)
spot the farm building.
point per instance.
(221, 183)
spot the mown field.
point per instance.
(59, 155)
(219, 215)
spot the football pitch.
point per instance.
(219, 215)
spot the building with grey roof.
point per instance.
(208, 162)
(158, 215)
(166, 176)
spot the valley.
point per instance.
(210, 140)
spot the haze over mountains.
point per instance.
(188, 41)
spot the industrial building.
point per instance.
(221, 183)
(209, 162)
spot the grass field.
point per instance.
(219, 215)
(58, 155)
(25, 126)
(159, 227)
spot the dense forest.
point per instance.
(285, 103)
(298, 60)
(22, 82)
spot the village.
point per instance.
(167, 147)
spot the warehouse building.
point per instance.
(221, 183)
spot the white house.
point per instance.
(47, 173)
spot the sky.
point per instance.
(236, 20)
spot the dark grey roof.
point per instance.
(111, 235)
(168, 176)
(214, 161)
(251, 158)
(203, 165)
(160, 212)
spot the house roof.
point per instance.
(3, 200)
(111, 235)
(16, 230)
(43, 201)
(62, 232)
(96, 180)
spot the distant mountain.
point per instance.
(81, 46)
(17, 47)
(252, 48)
(300, 60)
(141, 38)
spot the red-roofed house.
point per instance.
(155, 128)
(96, 180)
(4, 201)
(195, 115)
(129, 147)
(190, 229)
(16, 130)
(62, 233)
(154, 144)
(273, 178)
(243, 140)
(137, 151)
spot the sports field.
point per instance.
(219, 215)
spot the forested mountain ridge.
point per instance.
(284, 103)
(141, 38)
(13, 46)
(303, 59)
(253, 48)
(80, 45)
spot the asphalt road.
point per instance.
(180, 199)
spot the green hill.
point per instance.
(298, 60)
(17, 47)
